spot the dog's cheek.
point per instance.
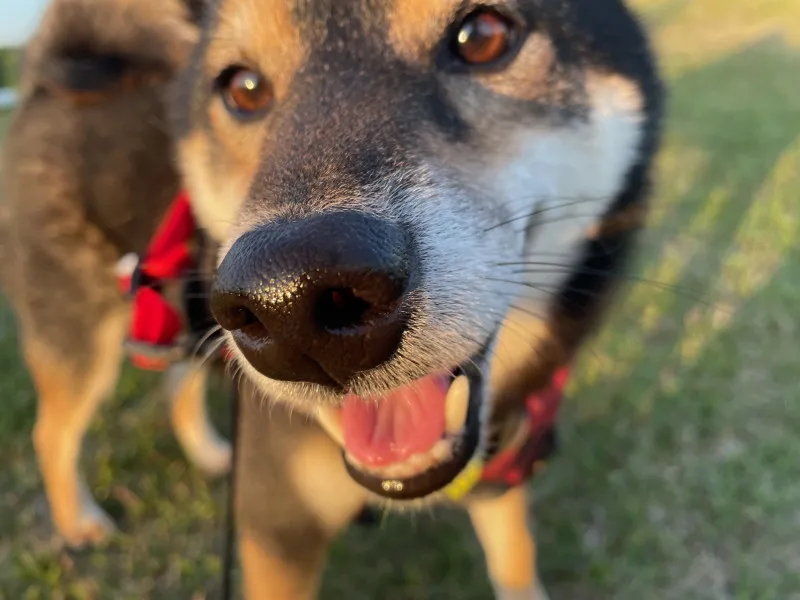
(458, 260)
(217, 192)
(557, 180)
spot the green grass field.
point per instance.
(679, 476)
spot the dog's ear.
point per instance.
(86, 50)
(89, 77)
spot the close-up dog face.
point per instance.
(402, 191)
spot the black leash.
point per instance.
(201, 321)
(228, 551)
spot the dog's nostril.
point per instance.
(234, 318)
(255, 330)
(340, 308)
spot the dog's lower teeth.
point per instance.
(456, 405)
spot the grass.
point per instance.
(679, 475)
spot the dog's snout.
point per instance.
(318, 300)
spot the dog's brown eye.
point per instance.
(484, 37)
(245, 92)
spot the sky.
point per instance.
(18, 19)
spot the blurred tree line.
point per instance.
(9, 64)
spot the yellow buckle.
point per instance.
(465, 481)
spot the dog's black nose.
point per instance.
(316, 300)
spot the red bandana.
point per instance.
(155, 322)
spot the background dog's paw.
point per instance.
(93, 528)
(536, 592)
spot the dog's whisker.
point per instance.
(567, 268)
(570, 270)
(589, 217)
(543, 210)
(565, 255)
(213, 349)
(233, 368)
(207, 336)
(551, 290)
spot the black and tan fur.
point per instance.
(545, 157)
(88, 172)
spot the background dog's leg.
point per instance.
(68, 396)
(294, 496)
(202, 444)
(502, 527)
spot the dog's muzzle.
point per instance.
(325, 299)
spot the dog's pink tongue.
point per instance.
(408, 421)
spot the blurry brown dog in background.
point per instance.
(88, 175)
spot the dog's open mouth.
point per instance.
(415, 440)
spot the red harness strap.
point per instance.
(155, 322)
(512, 466)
